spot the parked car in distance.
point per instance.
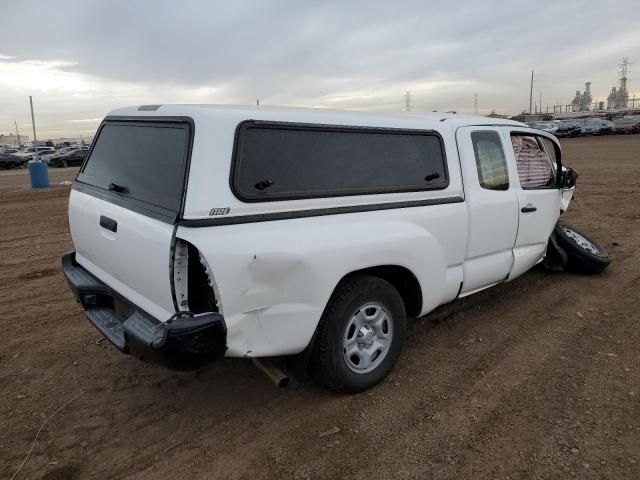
(61, 151)
(72, 157)
(607, 126)
(592, 126)
(30, 152)
(305, 234)
(46, 157)
(569, 129)
(9, 151)
(11, 161)
(550, 127)
(626, 125)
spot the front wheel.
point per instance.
(583, 254)
(360, 335)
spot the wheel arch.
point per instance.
(401, 278)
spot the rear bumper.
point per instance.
(183, 343)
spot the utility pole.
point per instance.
(540, 101)
(33, 123)
(475, 104)
(38, 171)
(531, 95)
(257, 102)
(408, 102)
(17, 132)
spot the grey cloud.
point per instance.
(300, 52)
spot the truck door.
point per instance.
(539, 196)
(492, 203)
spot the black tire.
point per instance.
(65, 163)
(11, 165)
(328, 363)
(581, 258)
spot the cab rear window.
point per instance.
(141, 161)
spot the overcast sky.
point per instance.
(79, 59)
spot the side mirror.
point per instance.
(568, 178)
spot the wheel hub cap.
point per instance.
(581, 241)
(367, 338)
(366, 335)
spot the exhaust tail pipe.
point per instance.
(275, 374)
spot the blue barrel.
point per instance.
(39, 174)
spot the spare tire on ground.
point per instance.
(583, 254)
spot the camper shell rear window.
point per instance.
(281, 161)
(140, 161)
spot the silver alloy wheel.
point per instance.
(581, 241)
(367, 338)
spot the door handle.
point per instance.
(528, 208)
(108, 223)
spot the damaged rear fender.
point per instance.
(274, 283)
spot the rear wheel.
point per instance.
(65, 163)
(360, 335)
(583, 254)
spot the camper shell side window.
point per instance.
(282, 161)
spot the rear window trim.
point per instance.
(267, 124)
(145, 208)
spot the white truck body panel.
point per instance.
(274, 278)
(273, 292)
(134, 261)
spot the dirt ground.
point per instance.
(538, 378)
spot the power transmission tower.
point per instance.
(624, 68)
(475, 104)
(408, 102)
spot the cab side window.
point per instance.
(534, 165)
(490, 160)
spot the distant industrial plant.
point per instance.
(618, 98)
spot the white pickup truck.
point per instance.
(305, 234)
